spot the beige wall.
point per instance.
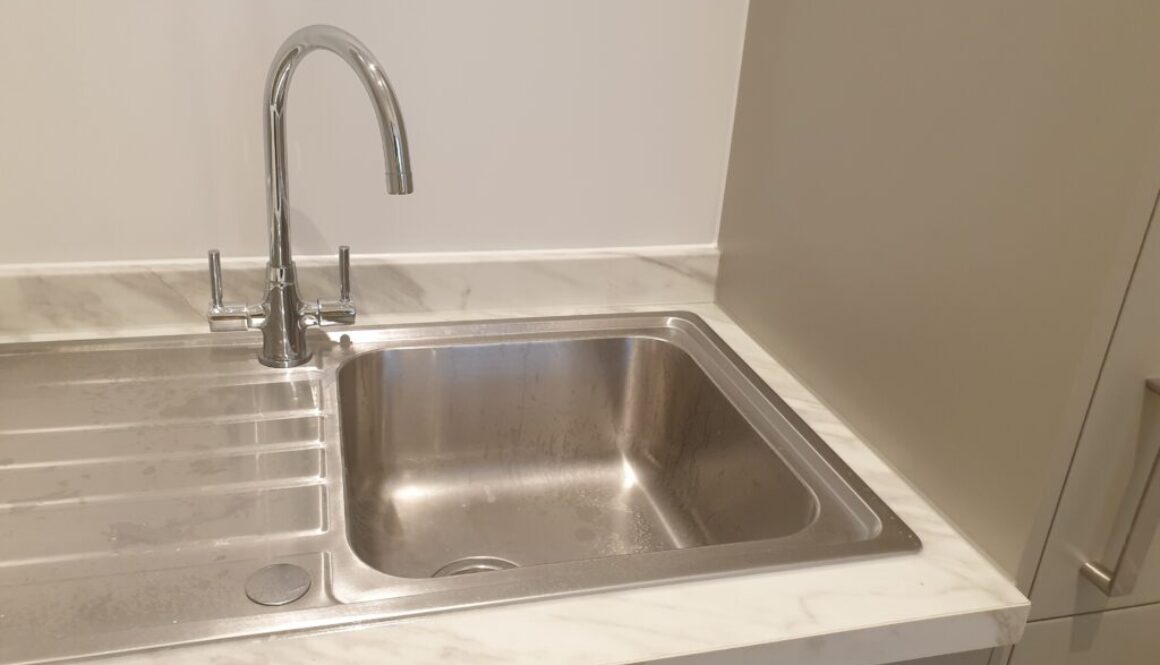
(132, 129)
(931, 214)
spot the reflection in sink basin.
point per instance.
(573, 445)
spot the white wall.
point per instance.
(131, 129)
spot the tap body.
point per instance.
(283, 316)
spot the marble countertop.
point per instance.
(946, 598)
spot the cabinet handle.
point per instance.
(1120, 580)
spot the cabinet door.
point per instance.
(1112, 466)
(1117, 637)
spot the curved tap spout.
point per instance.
(370, 72)
(283, 317)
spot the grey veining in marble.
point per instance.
(37, 303)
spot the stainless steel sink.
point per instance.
(619, 450)
(404, 470)
(557, 448)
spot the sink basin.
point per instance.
(586, 439)
(543, 451)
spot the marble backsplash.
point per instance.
(85, 300)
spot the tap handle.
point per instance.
(344, 273)
(334, 312)
(215, 278)
(227, 316)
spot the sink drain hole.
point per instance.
(474, 564)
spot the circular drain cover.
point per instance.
(474, 564)
(279, 584)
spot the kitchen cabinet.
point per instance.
(1117, 637)
(1097, 516)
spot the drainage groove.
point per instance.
(474, 564)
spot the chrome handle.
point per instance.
(330, 313)
(1121, 579)
(224, 316)
(215, 279)
(339, 312)
(344, 273)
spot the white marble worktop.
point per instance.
(946, 598)
(78, 300)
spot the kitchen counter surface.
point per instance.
(946, 598)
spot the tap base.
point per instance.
(285, 363)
